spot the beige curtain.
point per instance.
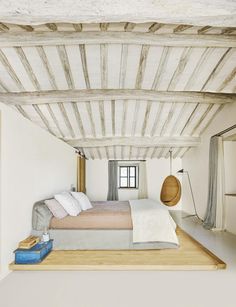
(143, 190)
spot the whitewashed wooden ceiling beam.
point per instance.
(129, 26)
(141, 66)
(181, 28)
(10, 71)
(203, 59)
(90, 114)
(123, 126)
(161, 67)
(28, 68)
(146, 117)
(27, 28)
(47, 66)
(54, 118)
(84, 65)
(227, 80)
(168, 119)
(66, 119)
(113, 117)
(102, 117)
(180, 68)
(202, 118)
(123, 65)
(157, 117)
(104, 54)
(51, 26)
(225, 57)
(136, 111)
(29, 39)
(155, 27)
(22, 111)
(54, 96)
(78, 27)
(78, 119)
(17, 81)
(104, 26)
(3, 27)
(204, 29)
(66, 66)
(176, 154)
(43, 118)
(228, 31)
(136, 141)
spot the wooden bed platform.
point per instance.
(190, 256)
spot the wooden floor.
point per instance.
(191, 255)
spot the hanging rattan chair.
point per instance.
(171, 189)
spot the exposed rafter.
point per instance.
(136, 142)
(27, 39)
(55, 96)
(129, 90)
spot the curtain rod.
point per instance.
(80, 154)
(225, 131)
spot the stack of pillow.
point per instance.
(68, 203)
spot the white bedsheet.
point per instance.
(152, 222)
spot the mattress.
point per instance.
(98, 239)
(103, 215)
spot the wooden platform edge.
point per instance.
(42, 267)
(220, 263)
(217, 265)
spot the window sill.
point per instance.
(127, 188)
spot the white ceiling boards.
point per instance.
(119, 90)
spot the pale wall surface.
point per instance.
(230, 185)
(34, 165)
(196, 162)
(230, 167)
(157, 170)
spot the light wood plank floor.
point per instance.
(191, 255)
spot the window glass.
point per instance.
(124, 182)
(128, 176)
(132, 182)
(123, 171)
(132, 171)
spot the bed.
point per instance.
(110, 225)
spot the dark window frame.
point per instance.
(128, 167)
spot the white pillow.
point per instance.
(83, 200)
(69, 203)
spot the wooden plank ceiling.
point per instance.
(119, 90)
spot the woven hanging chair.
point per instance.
(171, 189)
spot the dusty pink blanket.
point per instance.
(103, 215)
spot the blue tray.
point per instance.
(33, 255)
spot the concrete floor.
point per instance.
(131, 289)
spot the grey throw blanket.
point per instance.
(41, 216)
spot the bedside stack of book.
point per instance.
(31, 250)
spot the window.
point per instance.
(128, 177)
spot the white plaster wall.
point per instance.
(230, 185)
(230, 167)
(196, 162)
(157, 170)
(230, 213)
(34, 165)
